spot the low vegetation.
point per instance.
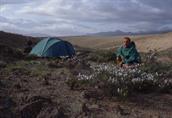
(102, 56)
(150, 76)
(85, 85)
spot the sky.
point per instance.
(78, 17)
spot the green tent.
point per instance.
(53, 47)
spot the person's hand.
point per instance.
(123, 60)
(119, 58)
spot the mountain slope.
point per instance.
(144, 42)
(14, 40)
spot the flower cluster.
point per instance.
(123, 76)
(135, 74)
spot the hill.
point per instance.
(144, 42)
(14, 40)
(88, 85)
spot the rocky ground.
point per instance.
(41, 88)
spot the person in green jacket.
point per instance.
(127, 54)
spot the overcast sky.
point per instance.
(75, 17)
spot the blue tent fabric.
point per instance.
(53, 47)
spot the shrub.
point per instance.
(17, 70)
(102, 56)
(123, 82)
(31, 57)
(9, 54)
(152, 65)
(151, 76)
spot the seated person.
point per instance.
(127, 54)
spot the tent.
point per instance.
(53, 47)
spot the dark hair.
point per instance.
(128, 38)
(133, 43)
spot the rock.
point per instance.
(33, 108)
(3, 64)
(85, 109)
(94, 106)
(51, 112)
(93, 93)
(17, 86)
(6, 107)
(54, 65)
(6, 113)
(36, 98)
(8, 103)
(122, 111)
(1, 84)
(45, 82)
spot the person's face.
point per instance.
(126, 42)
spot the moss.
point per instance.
(32, 68)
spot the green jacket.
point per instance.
(129, 54)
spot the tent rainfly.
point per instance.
(53, 47)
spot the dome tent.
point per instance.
(53, 47)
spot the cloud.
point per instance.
(72, 17)
(2, 2)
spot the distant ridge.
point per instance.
(121, 33)
(38, 35)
